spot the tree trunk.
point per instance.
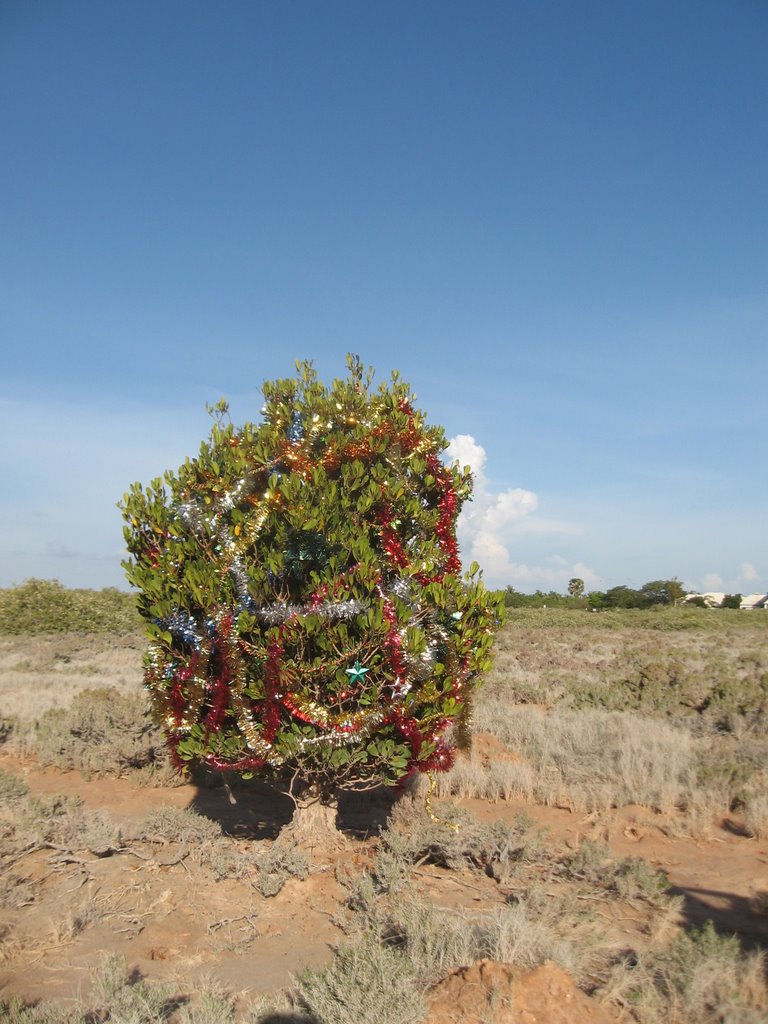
(313, 823)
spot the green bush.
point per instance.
(301, 584)
(45, 606)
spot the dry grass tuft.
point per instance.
(56, 822)
(495, 849)
(756, 806)
(367, 983)
(591, 760)
(101, 732)
(177, 825)
(628, 877)
(283, 860)
(700, 977)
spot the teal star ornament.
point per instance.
(356, 673)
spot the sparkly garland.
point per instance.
(215, 678)
(264, 674)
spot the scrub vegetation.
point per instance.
(591, 731)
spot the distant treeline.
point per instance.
(656, 592)
(46, 606)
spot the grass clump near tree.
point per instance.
(101, 732)
(300, 580)
(46, 606)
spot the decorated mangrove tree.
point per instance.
(301, 584)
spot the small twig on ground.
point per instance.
(448, 878)
(225, 921)
(33, 848)
(80, 884)
(176, 860)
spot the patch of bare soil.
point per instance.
(723, 877)
(493, 993)
(158, 902)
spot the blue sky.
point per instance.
(551, 217)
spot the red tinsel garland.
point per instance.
(222, 675)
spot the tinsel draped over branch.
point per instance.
(300, 580)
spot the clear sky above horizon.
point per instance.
(551, 217)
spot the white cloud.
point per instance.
(748, 573)
(509, 506)
(467, 452)
(747, 579)
(712, 581)
(489, 523)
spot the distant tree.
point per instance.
(662, 592)
(576, 587)
(731, 601)
(596, 599)
(514, 599)
(623, 597)
(697, 602)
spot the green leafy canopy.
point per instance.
(301, 584)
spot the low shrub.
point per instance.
(28, 821)
(494, 849)
(169, 824)
(12, 788)
(45, 606)
(283, 860)
(102, 732)
(628, 877)
(700, 977)
(367, 983)
(122, 998)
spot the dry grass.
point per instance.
(44, 672)
(102, 732)
(709, 669)
(497, 849)
(587, 760)
(62, 824)
(590, 712)
(699, 977)
(756, 807)
(666, 710)
(402, 943)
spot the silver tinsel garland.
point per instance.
(274, 614)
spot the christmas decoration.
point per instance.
(300, 581)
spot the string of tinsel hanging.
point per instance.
(215, 675)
